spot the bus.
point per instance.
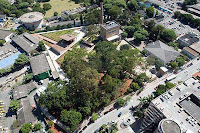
(173, 76)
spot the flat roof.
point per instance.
(4, 34)
(170, 108)
(31, 17)
(189, 39)
(196, 47)
(110, 25)
(67, 37)
(169, 126)
(191, 51)
(39, 64)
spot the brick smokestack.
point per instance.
(101, 14)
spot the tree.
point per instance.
(125, 47)
(140, 35)
(158, 64)
(21, 60)
(2, 42)
(114, 12)
(85, 111)
(93, 17)
(69, 25)
(168, 35)
(27, 78)
(160, 90)
(16, 124)
(49, 131)
(170, 85)
(133, 5)
(150, 11)
(180, 61)
(37, 127)
(72, 118)
(124, 35)
(41, 46)
(173, 44)
(120, 102)
(26, 128)
(81, 19)
(55, 14)
(150, 61)
(134, 86)
(173, 64)
(50, 124)
(47, 6)
(94, 116)
(14, 105)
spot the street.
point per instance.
(113, 115)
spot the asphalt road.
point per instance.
(113, 115)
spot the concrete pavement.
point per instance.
(113, 115)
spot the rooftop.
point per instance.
(191, 51)
(169, 126)
(67, 37)
(110, 25)
(31, 17)
(179, 108)
(189, 39)
(24, 114)
(162, 51)
(4, 34)
(196, 47)
(26, 41)
(39, 64)
(23, 90)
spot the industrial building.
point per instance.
(32, 20)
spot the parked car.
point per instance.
(119, 114)
(198, 87)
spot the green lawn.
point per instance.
(55, 35)
(60, 6)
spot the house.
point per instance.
(6, 35)
(40, 67)
(161, 51)
(187, 40)
(196, 47)
(26, 42)
(24, 114)
(110, 31)
(190, 52)
(22, 91)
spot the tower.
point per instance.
(101, 13)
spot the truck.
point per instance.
(173, 76)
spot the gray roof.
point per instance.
(26, 41)
(162, 51)
(4, 34)
(23, 90)
(24, 114)
(169, 126)
(110, 25)
(189, 39)
(39, 64)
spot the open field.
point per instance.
(55, 35)
(60, 6)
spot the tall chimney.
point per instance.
(101, 14)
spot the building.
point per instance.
(187, 40)
(196, 47)
(180, 105)
(26, 42)
(22, 91)
(24, 114)
(190, 52)
(168, 126)
(32, 20)
(146, 4)
(67, 39)
(40, 67)
(162, 51)
(194, 9)
(6, 35)
(110, 31)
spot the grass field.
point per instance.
(55, 35)
(60, 6)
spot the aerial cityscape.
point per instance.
(106, 66)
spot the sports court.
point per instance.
(9, 60)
